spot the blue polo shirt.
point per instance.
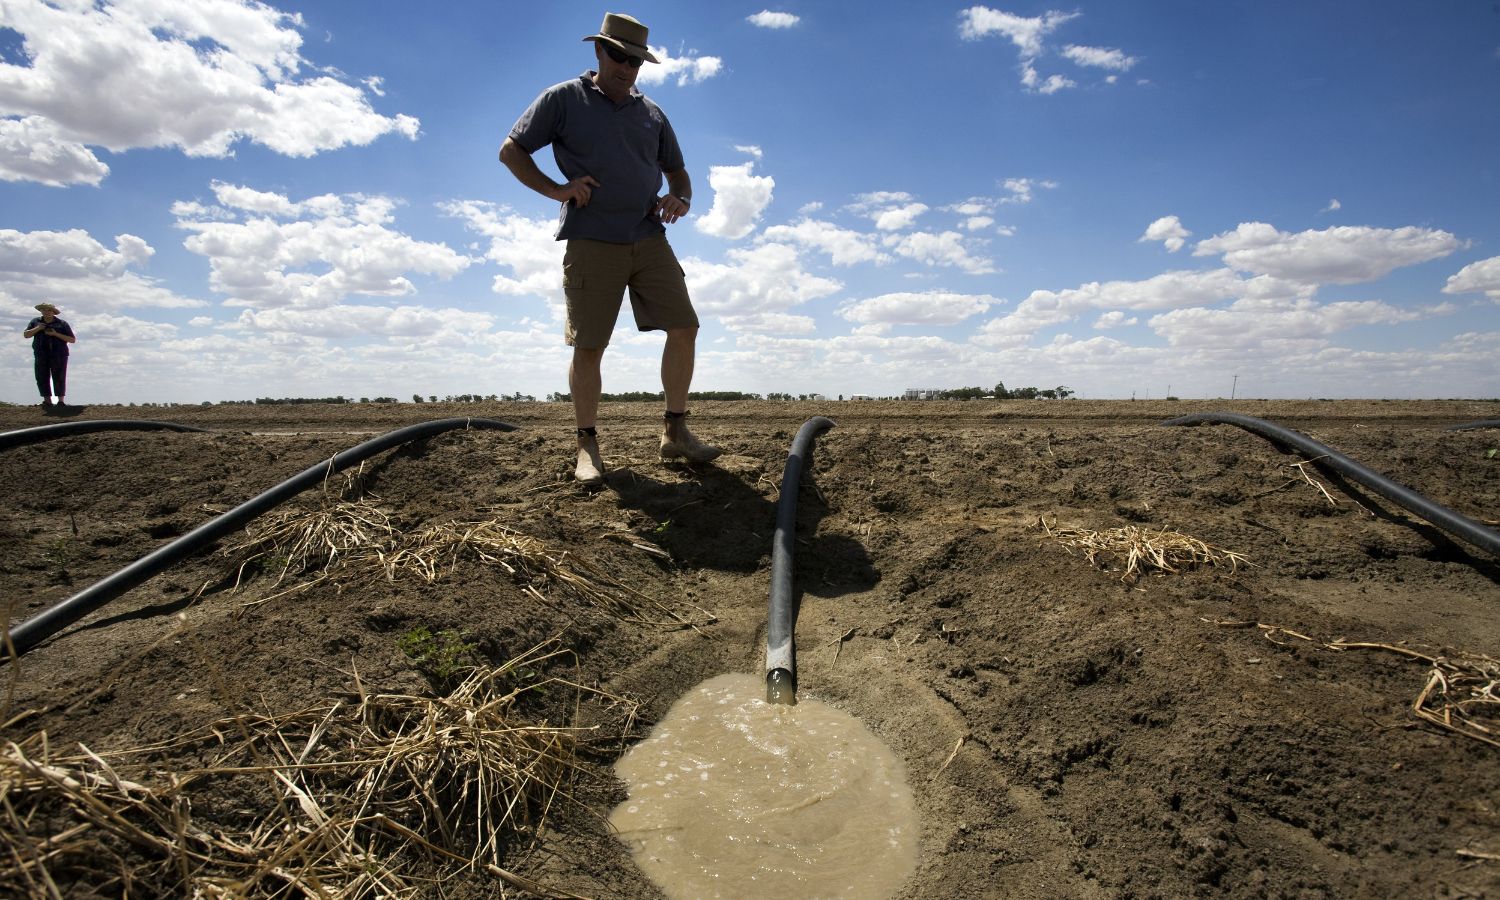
(626, 148)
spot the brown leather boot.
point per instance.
(679, 443)
(590, 468)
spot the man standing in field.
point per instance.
(613, 146)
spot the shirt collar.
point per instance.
(588, 80)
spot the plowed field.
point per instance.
(1242, 724)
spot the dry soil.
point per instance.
(1069, 731)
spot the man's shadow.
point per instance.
(717, 521)
(66, 412)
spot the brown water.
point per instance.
(731, 796)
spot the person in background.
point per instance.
(613, 145)
(50, 337)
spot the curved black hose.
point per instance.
(781, 663)
(24, 436)
(46, 623)
(1439, 515)
(1470, 426)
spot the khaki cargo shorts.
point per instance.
(595, 276)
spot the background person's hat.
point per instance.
(45, 307)
(625, 33)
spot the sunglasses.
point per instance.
(621, 57)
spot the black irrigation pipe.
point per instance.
(1441, 516)
(24, 436)
(38, 628)
(781, 623)
(1471, 426)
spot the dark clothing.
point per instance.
(52, 376)
(51, 357)
(43, 345)
(626, 148)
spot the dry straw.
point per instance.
(1462, 693)
(375, 795)
(354, 534)
(436, 549)
(294, 541)
(1142, 550)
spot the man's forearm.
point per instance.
(680, 185)
(521, 165)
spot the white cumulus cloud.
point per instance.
(768, 19)
(1114, 319)
(933, 308)
(1021, 190)
(844, 246)
(311, 254)
(197, 76)
(526, 247)
(1169, 290)
(685, 70)
(410, 322)
(1026, 32)
(1343, 255)
(76, 272)
(756, 287)
(889, 210)
(1100, 57)
(1168, 230)
(31, 150)
(1029, 35)
(740, 196)
(1480, 277)
(944, 249)
(1046, 86)
(1251, 324)
(898, 218)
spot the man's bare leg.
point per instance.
(676, 377)
(677, 366)
(586, 384)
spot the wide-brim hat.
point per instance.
(45, 308)
(626, 34)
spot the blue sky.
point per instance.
(234, 200)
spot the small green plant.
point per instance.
(441, 655)
(1490, 454)
(59, 554)
(662, 528)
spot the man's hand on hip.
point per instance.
(670, 208)
(576, 191)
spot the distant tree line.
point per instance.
(294, 401)
(964, 393)
(1060, 392)
(517, 397)
(1000, 392)
(648, 396)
